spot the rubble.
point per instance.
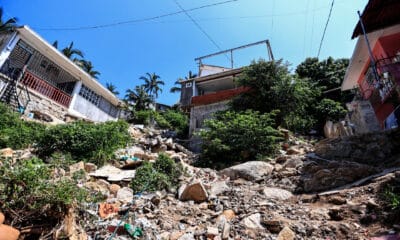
(280, 199)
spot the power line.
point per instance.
(200, 28)
(134, 20)
(326, 25)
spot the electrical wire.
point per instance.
(201, 29)
(134, 20)
(326, 26)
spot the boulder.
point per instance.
(114, 188)
(8, 233)
(76, 167)
(277, 193)
(90, 167)
(253, 221)
(125, 195)
(6, 152)
(194, 191)
(252, 170)
(218, 188)
(286, 234)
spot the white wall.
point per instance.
(89, 110)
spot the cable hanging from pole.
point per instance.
(326, 26)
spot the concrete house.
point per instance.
(36, 78)
(210, 92)
(378, 76)
(213, 88)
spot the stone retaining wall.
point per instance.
(370, 148)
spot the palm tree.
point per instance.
(55, 44)
(178, 82)
(152, 84)
(138, 97)
(112, 88)
(9, 25)
(70, 52)
(89, 68)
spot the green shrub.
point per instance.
(142, 117)
(162, 174)
(85, 141)
(237, 137)
(28, 185)
(178, 121)
(328, 109)
(16, 133)
(161, 121)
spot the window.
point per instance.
(188, 85)
(89, 95)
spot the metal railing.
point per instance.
(389, 75)
(37, 84)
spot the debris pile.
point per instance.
(279, 199)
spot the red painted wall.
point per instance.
(384, 47)
(218, 96)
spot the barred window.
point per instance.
(89, 95)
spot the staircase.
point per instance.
(10, 96)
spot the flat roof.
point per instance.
(216, 75)
(41, 45)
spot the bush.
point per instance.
(178, 121)
(328, 109)
(28, 185)
(237, 137)
(273, 87)
(161, 121)
(162, 174)
(16, 133)
(142, 117)
(85, 141)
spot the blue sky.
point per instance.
(168, 45)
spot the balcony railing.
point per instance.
(389, 75)
(35, 83)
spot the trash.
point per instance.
(107, 209)
(133, 232)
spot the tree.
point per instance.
(89, 68)
(327, 74)
(8, 25)
(112, 88)
(70, 52)
(178, 82)
(138, 98)
(152, 84)
(272, 87)
(55, 44)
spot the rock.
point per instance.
(76, 167)
(253, 221)
(6, 152)
(170, 143)
(125, 195)
(218, 188)
(286, 234)
(212, 232)
(387, 237)
(98, 186)
(293, 150)
(187, 236)
(90, 167)
(107, 210)
(337, 200)
(114, 174)
(194, 191)
(8, 233)
(274, 225)
(277, 193)
(228, 214)
(252, 170)
(225, 230)
(114, 188)
(176, 235)
(131, 164)
(336, 214)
